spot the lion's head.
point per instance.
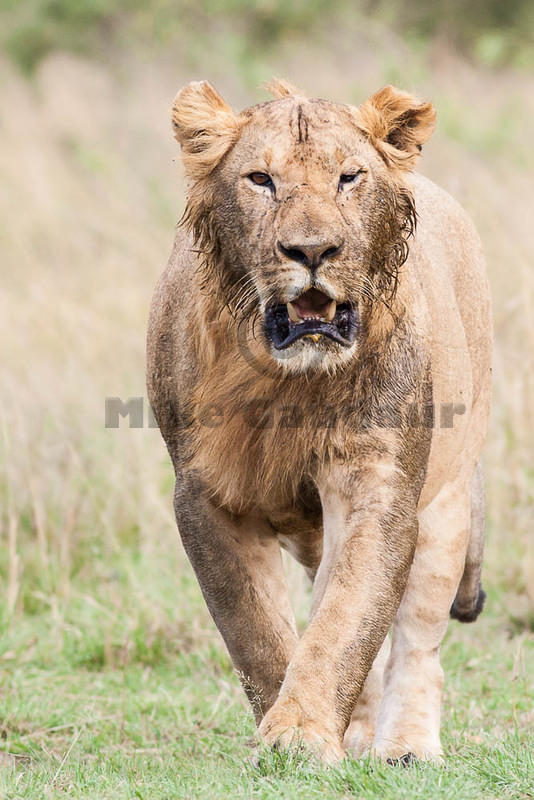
(301, 210)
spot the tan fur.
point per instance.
(205, 127)
(359, 736)
(280, 88)
(322, 448)
(397, 125)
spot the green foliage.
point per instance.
(32, 28)
(491, 31)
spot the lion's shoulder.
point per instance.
(438, 210)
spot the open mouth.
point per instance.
(312, 316)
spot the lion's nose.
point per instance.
(311, 253)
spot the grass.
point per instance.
(113, 680)
(95, 705)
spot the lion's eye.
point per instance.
(261, 179)
(349, 178)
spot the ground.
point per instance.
(114, 702)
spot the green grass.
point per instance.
(103, 699)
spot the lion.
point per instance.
(319, 352)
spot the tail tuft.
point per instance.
(468, 614)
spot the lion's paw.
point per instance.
(404, 754)
(285, 729)
(358, 738)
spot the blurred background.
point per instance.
(92, 573)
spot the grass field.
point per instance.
(125, 692)
(113, 680)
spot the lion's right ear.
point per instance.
(205, 126)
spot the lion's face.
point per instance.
(303, 218)
(308, 205)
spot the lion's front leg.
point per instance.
(370, 530)
(238, 564)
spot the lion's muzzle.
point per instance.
(312, 315)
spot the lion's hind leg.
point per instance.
(360, 733)
(469, 600)
(409, 717)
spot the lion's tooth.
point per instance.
(293, 316)
(330, 312)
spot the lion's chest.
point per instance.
(300, 527)
(264, 456)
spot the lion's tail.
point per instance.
(470, 597)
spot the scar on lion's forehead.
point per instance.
(300, 124)
(268, 156)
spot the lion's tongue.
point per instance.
(314, 304)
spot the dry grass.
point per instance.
(88, 199)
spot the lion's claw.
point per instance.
(407, 760)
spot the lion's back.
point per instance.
(447, 258)
(452, 269)
(170, 353)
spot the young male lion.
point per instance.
(319, 367)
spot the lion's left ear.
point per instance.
(205, 126)
(397, 125)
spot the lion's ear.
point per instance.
(397, 125)
(205, 126)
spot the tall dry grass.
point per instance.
(89, 196)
